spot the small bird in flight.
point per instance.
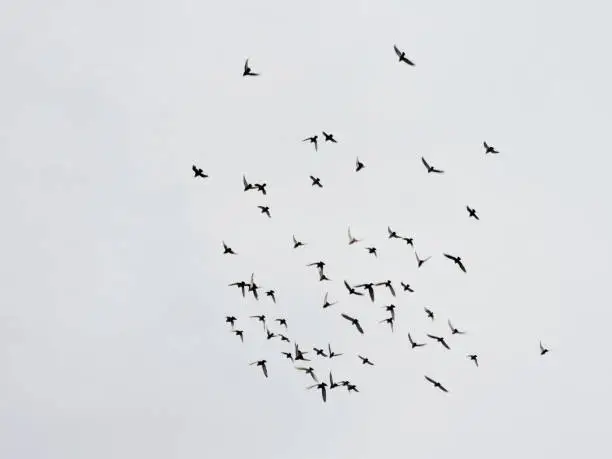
(288, 355)
(372, 251)
(387, 284)
(281, 321)
(265, 210)
(440, 340)
(365, 360)
(230, 320)
(354, 321)
(457, 261)
(358, 165)
(297, 243)
(247, 185)
(271, 294)
(473, 358)
(388, 320)
(239, 333)
(197, 172)
(429, 313)
(329, 137)
(413, 343)
(321, 386)
(270, 335)
(261, 187)
(369, 286)
(472, 212)
(436, 384)
(312, 139)
(489, 149)
(331, 353)
(247, 70)
(431, 169)
(391, 309)
(406, 287)
(320, 352)
(326, 303)
(455, 331)
(261, 318)
(352, 240)
(351, 290)
(316, 181)
(308, 371)
(262, 364)
(402, 56)
(420, 261)
(392, 234)
(299, 355)
(409, 241)
(241, 285)
(227, 249)
(543, 350)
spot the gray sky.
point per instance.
(114, 292)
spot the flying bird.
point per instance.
(455, 331)
(457, 261)
(241, 285)
(326, 303)
(440, 340)
(392, 234)
(351, 387)
(288, 355)
(358, 165)
(406, 287)
(247, 185)
(230, 320)
(372, 251)
(269, 334)
(472, 212)
(297, 243)
(197, 172)
(429, 313)
(351, 290)
(543, 350)
(253, 287)
(354, 321)
(320, 352)
(332, 384)
(271, 294)
(420, 261)
(321, 386)
(388, 320)
(316, 181)
(436, 384)
(369, 286)
(227, 249)
(402, 56)
(247, 70)
(261, 187)
(391, 309)
(281, 321)
(431, 169)
(365, 360)
(323, 277)
(312, 139)
(318, 264)
(283, 338)
(413, 343)
(409, 241)
(473, 358)
(329, 137)
(352, 240)
(308, 371)
(387, 284)
(489, 149)
(265, 210)
(261, 318)
(239, 333)
(331, 353)
(262, 364)
(299, 355)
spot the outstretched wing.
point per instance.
(462, 267)
(392, 289)
(397, 51)
(433, 381)
(347, 317)
(265, 370)
(450, 257)
(425, 163)
(358, 325)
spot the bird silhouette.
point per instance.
(288, 355)
(316, 181)
(429, 313)
(326, 303)
(323, 277)
(369, 286)
(414, 344)
(358, 165)
(388, 320)
(253, 287)
(320, 352)
(318, 264)
(472, 212)
(455, 331)
(372, 251)
(261, 318)
(365, 360)
(312, 139)
(440, 340)
(387, 284)
(354, 321)
(299, 355)
(489, 149)
(406, 287)
(309, 371)
(351, 387)
(543, 350)
(283, 338)
(331, 353)
(402, 56)
(227, 249)
(281, 321)
(230, 320)
(391, 309)
(271, 294)
(197, 172)
(409, 241)
(239, 333)
(473, 358)
(247, 70)
(269, 334)
(261, 187)
(297, 243)
(392, 234)
(262, 364)
(431, 169)
(247, 185)
(241, 285)
(352, 240)
(457, 261)
(332, 384)
(351, 290)
(265, 210)
(321, 386)
(420, 261)
(436, 384)
(329, 137)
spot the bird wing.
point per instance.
(347, 285)
(437, 171)
(265, 369)
(194, 168)
(425, 163)
(397, 51)
(407, 61)
(358, 325)
(324, 393)
(462, 267)
(433, 381)
(451, 325)
(444, 344)
(371, 292)
(433, 336)
(392, 289)
(246, 65)
(347, 317)
(450, 257)
(301, 368)
(442, 388)
(325, 298)
(312, 387)
(410, 339)
(350, 236)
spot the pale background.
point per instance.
(113, 289)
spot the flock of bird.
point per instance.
(296, 354)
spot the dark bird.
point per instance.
(365, 360)
(439, 340)
(457, 261)
(352, 240)
(241, 285)
(247, 185)
(351, 290)
(261, 187)
(308, 371)
(372, 250)
(316, 181)
(326, 303)
(332, 384)
(409, 241)
(197, 172)
(261, 318)
(262, 364)
(283, 338)
(288, 355)
(429, 313)
(391, 309)
(474, 358)
(271, 294)
(392, 234)
(318, 264)
(230, 320)
(265, 210)
(320, 352)
(281, 321)
(406, 287)
(358, 165)
(402, 56)
(472, 212)
(543, 350)
(436, 384)
(299, 355)
(369, 287)
(331, 353)
(431, 169)
(455, 331)
(387, 284)
(489, 149)
(388, 320)
(239, 333)
(227, 250)
(355, 322)
(312, 139)
(351, 387)
(269, 334)
(247, 70)
(329, 137)
(420, 261)
(297, 243)
(323, 277)
(253, 287)
(413, 343)
(321, 386)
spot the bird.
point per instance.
(309, 371)
(247, 185)
(197, 172)
(436, 384)
(392, 234)
(455, 331)
(227, 250)
(387, 284)
(312, 139)
(323, 277)
(472, 212)
(354, 321)
(283, 338)
(326, 303)
(299, 355)
(351, 387)
(318, 264)
(332, 384)
(402, 56)
(413, 343)
(431, 169)
(388, 320)
(247, 70)
(420, 261)
(261, 318)
(457, 261)
(358, 165)
(429, 313)
(281, 321)
(369, 286)
(316, 181)
(351, 290)
(543, 350)
(365, 360)
(474, 358)
(265, 210)
(269, 334)
(489, 149)
(409, 241)
(331, 353)
(261, 187)
(406, 287)
(329, 137)
(391, 309)
(239, 333)
(253, 287)
(230, 320)
(297, 243)
(288, 355)
(262, 364)
(321, 386)
(240, 284)
(271, 294)
(352, 240)
(372, 250)
(440, 340)
(320, 352)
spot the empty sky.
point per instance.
(113, 289)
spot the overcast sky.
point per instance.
(114, 290)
